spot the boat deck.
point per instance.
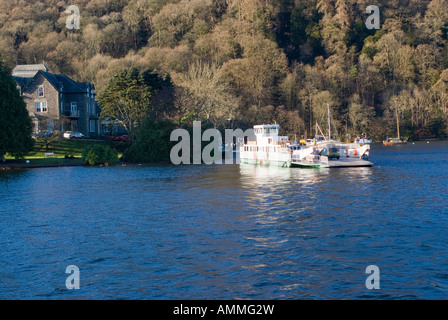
(341, 163)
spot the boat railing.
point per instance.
(348, 145)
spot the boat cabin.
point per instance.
(268, 135)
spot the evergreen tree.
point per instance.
(129, 98)
(15, 123)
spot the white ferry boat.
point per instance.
(269, 149)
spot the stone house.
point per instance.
(56, 103)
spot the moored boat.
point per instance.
(363, 140)
(332, 154)
(269, 149)
(394, 141)
(329, 153)
(398, 140)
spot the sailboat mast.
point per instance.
(329, 125)
(398, 124)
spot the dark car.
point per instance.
(331, 153)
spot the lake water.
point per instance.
(229, 231)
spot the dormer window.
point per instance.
(40, 91)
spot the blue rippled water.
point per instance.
(229, 231)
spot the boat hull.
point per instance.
(393, 143)
(341, 163)
(266, 162)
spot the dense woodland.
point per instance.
(255, 61)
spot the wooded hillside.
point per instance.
(256, 61)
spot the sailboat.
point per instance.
(329, 153)
(395, 141)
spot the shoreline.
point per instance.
(12, 165)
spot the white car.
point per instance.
(73, 135)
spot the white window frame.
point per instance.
(44, 106)
(74, 108)
(41, 106)
(40, 91)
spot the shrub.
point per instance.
(98, 154)
(151, 144)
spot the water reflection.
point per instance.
(275, 179)
(276, 176)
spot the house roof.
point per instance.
(28, 70)
(60, 82)
(21, 81)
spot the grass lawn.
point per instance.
(60, 148)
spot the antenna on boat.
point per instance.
(329, 124)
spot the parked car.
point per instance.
(123, 138)
(331, 153)
(73, 135)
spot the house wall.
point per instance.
(93, 114)
(67, 99)
(81, 99)
(51, 97)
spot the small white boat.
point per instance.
(398, 140)
(363, 140)
(332, 154)
(394, 141)
(328, 153)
